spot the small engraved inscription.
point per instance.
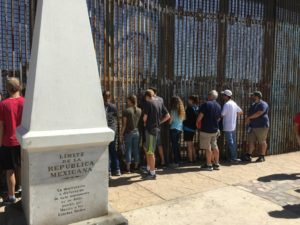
(71, 199)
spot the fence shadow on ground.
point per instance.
(288, 212)
(279, 177)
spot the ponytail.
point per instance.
(133, 100)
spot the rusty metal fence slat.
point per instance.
(184, 47)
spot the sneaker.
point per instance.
(18, 189)
(206, 167)
(216, 166)
(9, 201)
(144, 171)
(150, 177)
(127, 172)
(261, 159)
(246, 158)
(163, 166)
(174, 165)
(117, 173)
(235, 161)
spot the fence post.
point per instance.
(166, 61)
(108, 76)
(269, 45)
(268, 62)
(221, 60)
(222, 43)
(32, 18)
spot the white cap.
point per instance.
(227, 93)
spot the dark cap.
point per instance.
(257, 94)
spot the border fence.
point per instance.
(184, 47)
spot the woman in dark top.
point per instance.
(130, 132)
(189, 126)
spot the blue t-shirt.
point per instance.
(263, 120)
(176, 123)
(212, 114)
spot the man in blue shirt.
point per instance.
(258, 123)
(209, 117)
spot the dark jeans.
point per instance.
(114, 163)
(175, 138)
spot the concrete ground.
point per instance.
(255, 193)
(264, 193)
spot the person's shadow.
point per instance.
(288, 212)
(279, 177)
(12, 215)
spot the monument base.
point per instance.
(113, 218)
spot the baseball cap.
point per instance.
(257, 94)
(227, 93)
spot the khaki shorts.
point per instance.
(151, 142)
(259, 135)
(208, 141)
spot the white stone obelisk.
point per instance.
(64, 134)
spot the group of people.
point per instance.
(140, 133)
(142, 122)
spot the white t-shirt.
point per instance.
(229, 114)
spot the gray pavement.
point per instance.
(256, 193)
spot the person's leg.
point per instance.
(11, 183)
(178, 135)
(251, 140)
(208, 155)
(16, 158)
(110, 148)
(231, 144)
(215, 149)
(190, 146)
(115, 164)
(160, 149)
(136, 150)
(128, 153)
(191, 151)
(12, 162)
(251, 148)
(235, 154)
(151, 145)
(173, 145)
(216, 155)
(262, 134)
(263, 148)
(161, 154)
(206, 145)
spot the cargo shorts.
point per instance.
(208, 141)
(259, 135)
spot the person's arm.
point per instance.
(224, 111)
(296, 131)
(145, 118)
(254, 116)
(124, 124)
(240, 111)
(200, 115)
(261, 110)
(166, 114)
(165, 118)
(171, 118)
(1, 132)
(199, 120)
